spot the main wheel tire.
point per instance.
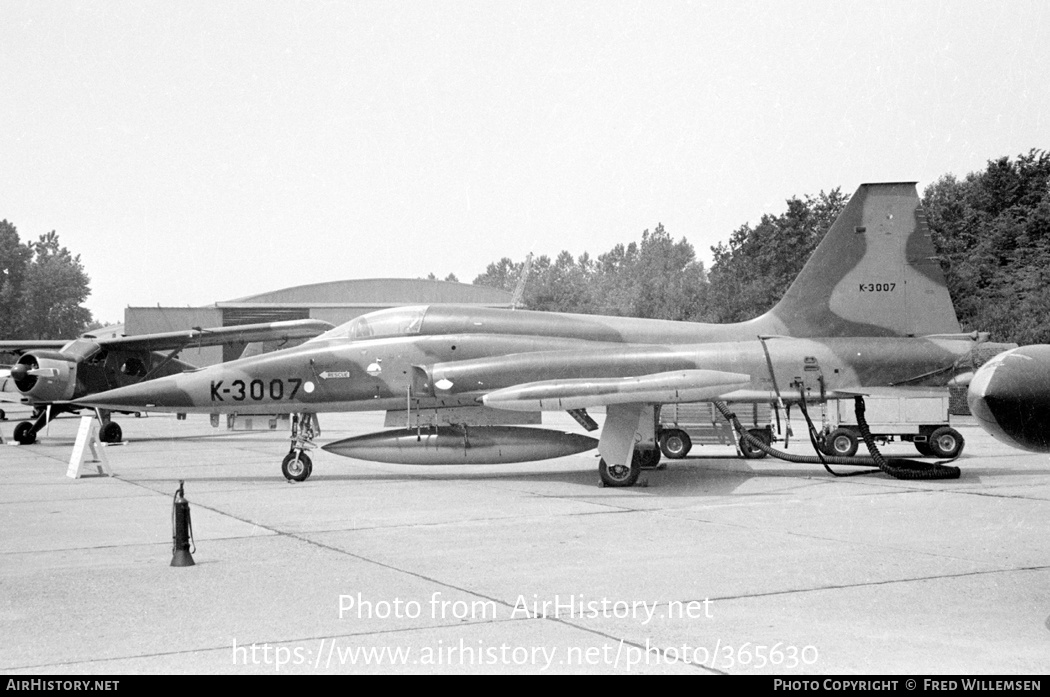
(924, 449)
(619, 475)
(841, 442)
(3, 415)
(946, 442)
(675, 444)
(750, 451)
(647, 458)
(111, 433)
(297, 466)
(24, 434)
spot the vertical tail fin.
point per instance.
(875, 273)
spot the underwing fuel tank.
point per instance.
(1010, 397)
(455, 445)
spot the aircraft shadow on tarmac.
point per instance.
(681, 481)
(688, 477)
(703, 475)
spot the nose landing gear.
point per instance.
(297, 466)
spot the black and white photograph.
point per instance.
(467, 337)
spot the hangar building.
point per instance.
(335, 302)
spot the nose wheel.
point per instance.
(297, 466)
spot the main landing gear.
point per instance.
(297, 466)
(25, 432)
(627, 475)
(110, 432)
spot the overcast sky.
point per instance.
(194, 152)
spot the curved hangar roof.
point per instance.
(383, 291)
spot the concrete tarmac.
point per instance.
(718, 565)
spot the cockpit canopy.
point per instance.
(396, 321)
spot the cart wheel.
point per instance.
(675, 444)
(946, 442)
(750, 451)
(841, 442)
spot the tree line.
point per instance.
(42, 288)
(991, 231)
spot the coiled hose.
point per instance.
(897, 467)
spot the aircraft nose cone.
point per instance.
(160, 393)
(1010, 397)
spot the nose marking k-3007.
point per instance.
(256, 390)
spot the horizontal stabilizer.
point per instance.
(658, 388)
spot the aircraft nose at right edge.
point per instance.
(1010, 397)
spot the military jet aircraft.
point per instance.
(869, 309)
(50, 374)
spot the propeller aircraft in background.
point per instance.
(51, 374)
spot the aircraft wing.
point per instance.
(628, 401)
(20, 346)
(656, 388)
(245, 333)
(166, 341)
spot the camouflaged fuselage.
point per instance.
(450, 370)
